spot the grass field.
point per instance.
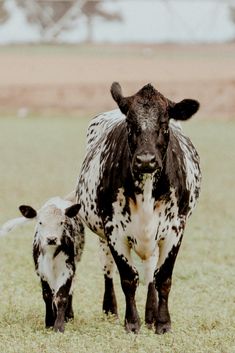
(40, 158)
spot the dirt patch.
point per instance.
(79, 80)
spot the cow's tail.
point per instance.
(12, 224)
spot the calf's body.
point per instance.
(57, 247)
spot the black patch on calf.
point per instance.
(36, 252)
(48, 299)
(62, 301)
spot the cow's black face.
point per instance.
(148, 137)
(147, 119)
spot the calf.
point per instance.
(57, 247)
(139, 183)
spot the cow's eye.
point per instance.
(40, 223)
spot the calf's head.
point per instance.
(147, 121)
(51, 222)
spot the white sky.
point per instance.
(145, 21)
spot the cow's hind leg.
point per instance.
(48, 297)
(168, 251)
(151, 306)
(128, 274)
(108, 266)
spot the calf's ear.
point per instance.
(72, 211)
(28, 211)
(184, 109)
(122, 102)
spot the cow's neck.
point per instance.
(144, 187)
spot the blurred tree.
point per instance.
(4, 13)
(232, 13)
(92, 9)
(55, 16)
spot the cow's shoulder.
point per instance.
(101, 125)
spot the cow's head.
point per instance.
(51, 222)
(148, 114)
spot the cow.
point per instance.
(57, 247)
(138, 184)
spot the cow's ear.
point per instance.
(72, 211)
(122, 102)
(184, 109)
(28, 211)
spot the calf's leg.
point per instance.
(108, 265)
(69, 315)
(48, 299)
(61, 302)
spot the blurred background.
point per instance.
(62, 55)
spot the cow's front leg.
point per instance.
(108, 266)
(168, 250)
(61, 302)
(48, 297)
(151, 306)
(120, 250)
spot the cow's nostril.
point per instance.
(138, 159)
(152, 159)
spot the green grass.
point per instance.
(41, 158)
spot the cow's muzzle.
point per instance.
(145, 163)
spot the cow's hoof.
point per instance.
(49, 325)
(132, 327)
(59, 328)
(162, 327)
(69, 316)
(149, 325)
(110, 310)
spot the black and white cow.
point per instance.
(57, 247)
(139, 183)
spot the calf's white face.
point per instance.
(50, 226)
(51, 222)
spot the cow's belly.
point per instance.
(92, 221)
(150, 223)
(147, 222)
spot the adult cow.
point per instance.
(139, 182)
